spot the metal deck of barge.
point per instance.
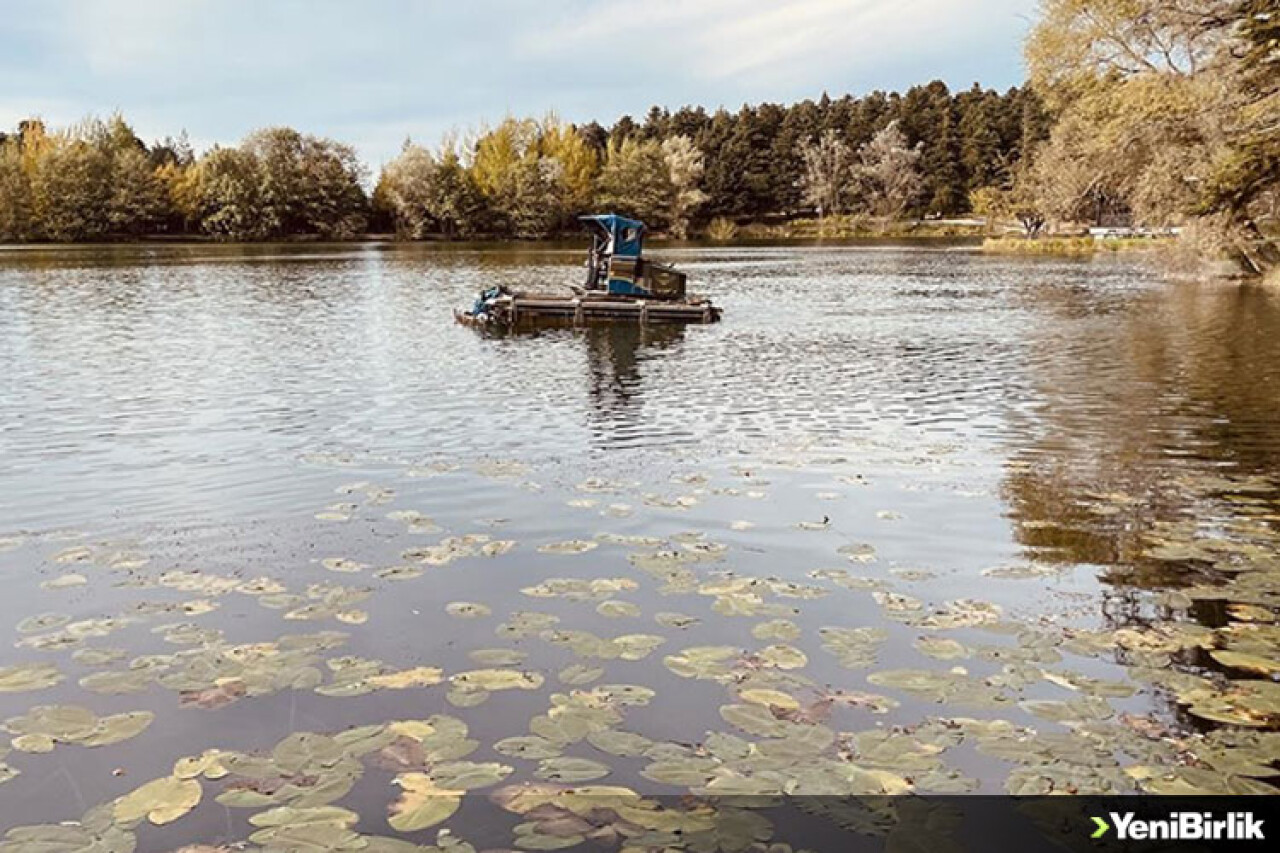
(511, 310)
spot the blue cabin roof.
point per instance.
(627, 234)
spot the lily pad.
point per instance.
(160, 801)
(708, 662)
(26, 677)
(617, 609)
(343, 565)
(568, 769)
(782, 657)
(467, 775)
(619, 743)
(117, 728)
(467, 610)
(941, 648)
(571, 546)
(675, 620)
(42, 622)
(770, 699)
(422, 803)
(66, 581)
(528, 746)
(579, 674)
(497, 679)
(776, 629)
(1256, 664)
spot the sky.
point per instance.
(374, 72)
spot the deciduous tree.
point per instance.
(1156, 106)
(888, 173)
(828, 172)
(684, 169)
(636, 181)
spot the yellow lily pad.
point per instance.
(160, 801)
(422, 803)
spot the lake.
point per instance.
(908, 519)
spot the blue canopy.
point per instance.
(627, 235)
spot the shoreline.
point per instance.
(1069, 246)
(1060, 246)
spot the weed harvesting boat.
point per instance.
(621, 285)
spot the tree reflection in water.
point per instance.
(1154, 455)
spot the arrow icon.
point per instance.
(1103, 826)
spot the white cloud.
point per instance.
(768, 40)
(120, 36)
(372, 72)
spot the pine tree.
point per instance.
(948, 194)
(980, 141)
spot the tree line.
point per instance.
(921, 153)
(1152, 112)
(98, 180)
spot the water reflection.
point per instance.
(1152, 454)
(616, 357)
(1142, 417)
(864, 437)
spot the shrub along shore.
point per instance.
(1072, 245)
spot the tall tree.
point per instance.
(407, 189)
(802, 122)
(306, 184)
(981, 149)
(636, 180)
(888, 173)
(684, 170)
(535, 175)
(579, 163)
(71, 183)
(139, 200)
(828, 165)
(941, 162)
(230, 197)
(17, 219)
(1244, 183)
(723, 180)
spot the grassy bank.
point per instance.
(840, 228)
(1070, 245)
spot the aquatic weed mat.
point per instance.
(543, 816)
(429, 649)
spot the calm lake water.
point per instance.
(270, 490)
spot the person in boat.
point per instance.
(598, 263)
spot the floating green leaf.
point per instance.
(160, 801)
(776, 629)
(571, 546)
(567, 769)
(497, 679)
(617, 609)
(421, 803)
(579, 674)
(467, 609)
(675, 620)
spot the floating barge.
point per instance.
(510, 309)
(620, 286)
